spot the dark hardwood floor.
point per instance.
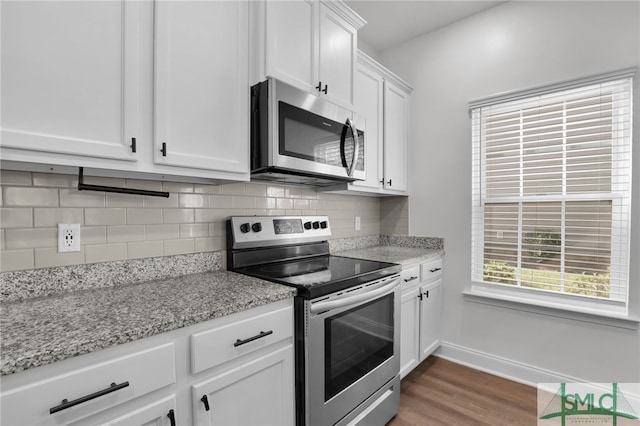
(440, 392)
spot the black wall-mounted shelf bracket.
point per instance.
(85, 187)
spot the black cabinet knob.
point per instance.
(245, 227)
(256, 227)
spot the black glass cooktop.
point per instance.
(322, 275)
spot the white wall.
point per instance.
(515, 45)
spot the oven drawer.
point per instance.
(134, 375)
(249, 333)
(429, 271)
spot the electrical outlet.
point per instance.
(68, 237)
(357, 223)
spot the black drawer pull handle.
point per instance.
(406, 280)
(172, 417)
(68, 404)
(205, 401)
(251, 339)
(163, 150)
(435, 270)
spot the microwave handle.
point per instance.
(356, 146)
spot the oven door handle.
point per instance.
(354, 300)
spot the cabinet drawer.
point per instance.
(431, 270)
(137, 374)
(221, 344)
(410, 276)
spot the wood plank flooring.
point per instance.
(440, 392)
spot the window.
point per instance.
(551, 194)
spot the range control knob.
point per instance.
(316, 225)
(307, 225)
(245, 227)
(323, 224)
(256, 227)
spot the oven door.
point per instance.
(352, 348)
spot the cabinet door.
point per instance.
(202, 91)
(259, 392)
(70, 78)
(158, 413)
(292, 43)
(337, 57)
(430, 318)
(395, 137)
(368, 103)
(409, 324)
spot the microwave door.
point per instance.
(309, 142)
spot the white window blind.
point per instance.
(551, 193)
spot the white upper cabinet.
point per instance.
(106, 85)
(201, 113)
(396, 142)
(368, 116)
(381, 107)
(70, 74)
(309, 44)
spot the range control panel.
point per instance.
(263, 231)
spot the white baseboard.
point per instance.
(501, 367)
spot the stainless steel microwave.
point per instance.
(300, 138)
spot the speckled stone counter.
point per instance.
(393, 254)
(400, 249)
(41, 331)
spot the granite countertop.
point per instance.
(393, 254)
(44, 330)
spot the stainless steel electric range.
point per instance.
(347, 316)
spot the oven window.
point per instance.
(356, 342)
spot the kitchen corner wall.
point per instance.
(191, 220)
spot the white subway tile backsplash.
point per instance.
(193, 230)
(95, 216)
(192, 219)
(172, 247)
(31, 238)
(177, 187)
(55, 180)
(15, 260)
(30, 196)
(11, 177)
(124, 200)
(125, 233)
(75, 198)
(143, 216)
(161, 202)
(48, 257)
(136, 250)
(162, 232)
(105, 252)
(54, 216)
(16, 218)
(193, 201)
(178, 215)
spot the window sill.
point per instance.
(542, 308)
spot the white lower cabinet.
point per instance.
(257, 392)
(242, 363)
(420, 313)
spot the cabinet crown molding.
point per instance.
(371, 63)
(345, 13)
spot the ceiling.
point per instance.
(390, 22)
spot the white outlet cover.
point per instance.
(357, 224)
(68, 237)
